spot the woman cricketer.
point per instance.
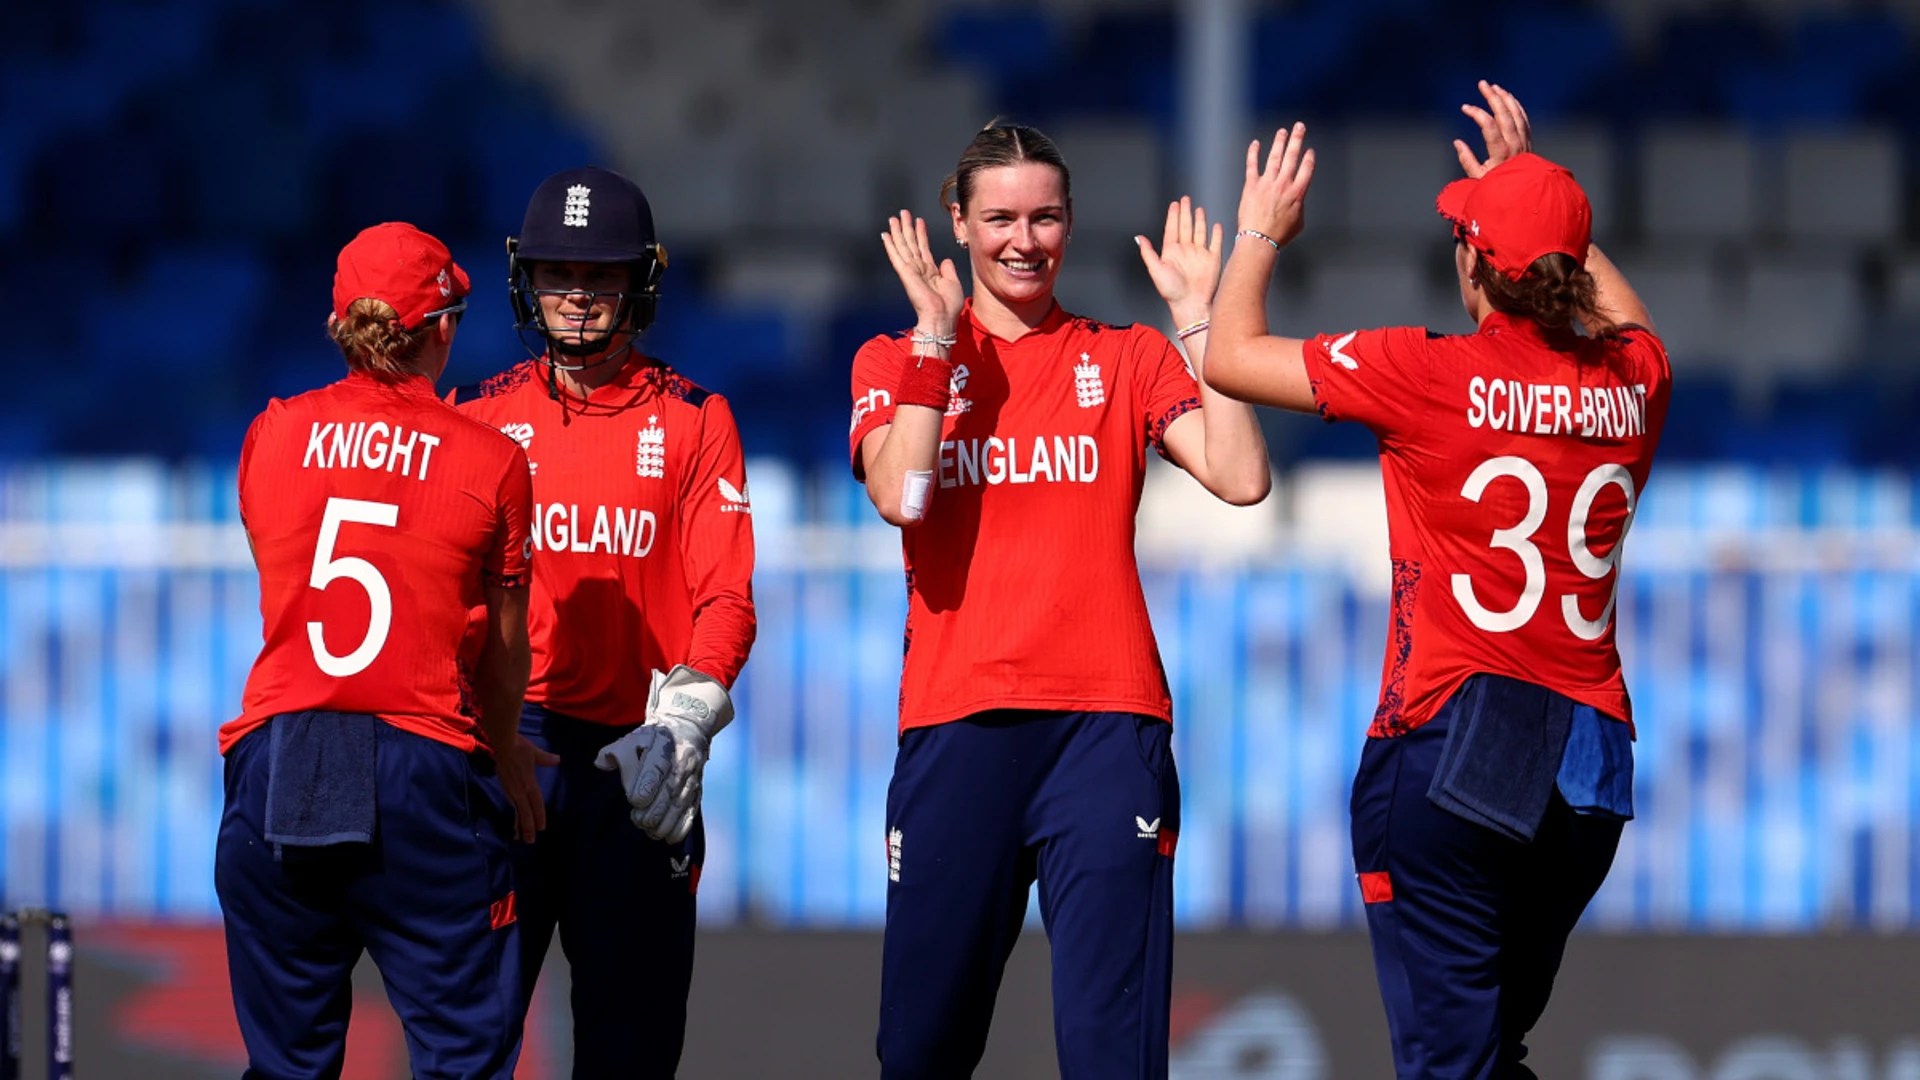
(364, 808)
(1008, 439)
(1498, 770)
(641, 617)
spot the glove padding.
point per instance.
(644, 757)
(688, 709)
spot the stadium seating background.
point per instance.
(175, 176)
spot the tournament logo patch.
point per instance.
(522, 434)
(956, 403)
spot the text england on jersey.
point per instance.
(615, 530)
(970, 462)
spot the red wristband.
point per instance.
(925, 380)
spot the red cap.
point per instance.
(395, 262)
(1519, 210)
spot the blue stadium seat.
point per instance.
(1294, 53)
(45, 97)
(295, 370)
(191, 311)
(853, 325)
(105, 187)
(1337, 441)
(386, 175)
(1558, 58)
(1865, 43)
(431, 39)
(1834, 64)
(721, 347)
(1699, 57)
(41, 32)
(1121, 65)
(1003, 43)
(387, 97)
(148, 41)
(1699, 406)
(511, 155)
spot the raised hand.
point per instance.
(1186, 269)
(933, 286)
(1273, 200)
(1503, 126)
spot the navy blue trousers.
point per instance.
(430, 899)
(1468, 925)
(622, 901)
(1086, 803)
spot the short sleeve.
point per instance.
(509, 563)
(1653, 372)
(1168, 389)
(1374, 377)
(256, 431)
(1649, 353)
(876, 371)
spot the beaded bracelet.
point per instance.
(921, 337)
(1258, 235)
(1186, 332)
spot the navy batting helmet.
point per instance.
(589, 215)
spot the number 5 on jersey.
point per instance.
(327, 569)
(1519, 541)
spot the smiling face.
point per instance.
(579, 300)
(1015, 229)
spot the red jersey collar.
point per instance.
(1056, 318)
(417, 386)
(1499, 323)
(639, 372)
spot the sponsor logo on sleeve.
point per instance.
(872, 401)
(734, 499)
(1336, 353)
(1149, 830)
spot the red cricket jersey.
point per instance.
(377, 515)
(1023, 592)
(1513, 459)
(644, 532)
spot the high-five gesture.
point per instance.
(1503, 126)
(1186, 269)
(933, 285)
(1273, 201)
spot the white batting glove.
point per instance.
(689, 709)
(644, 757)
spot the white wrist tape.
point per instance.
(913, 493)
